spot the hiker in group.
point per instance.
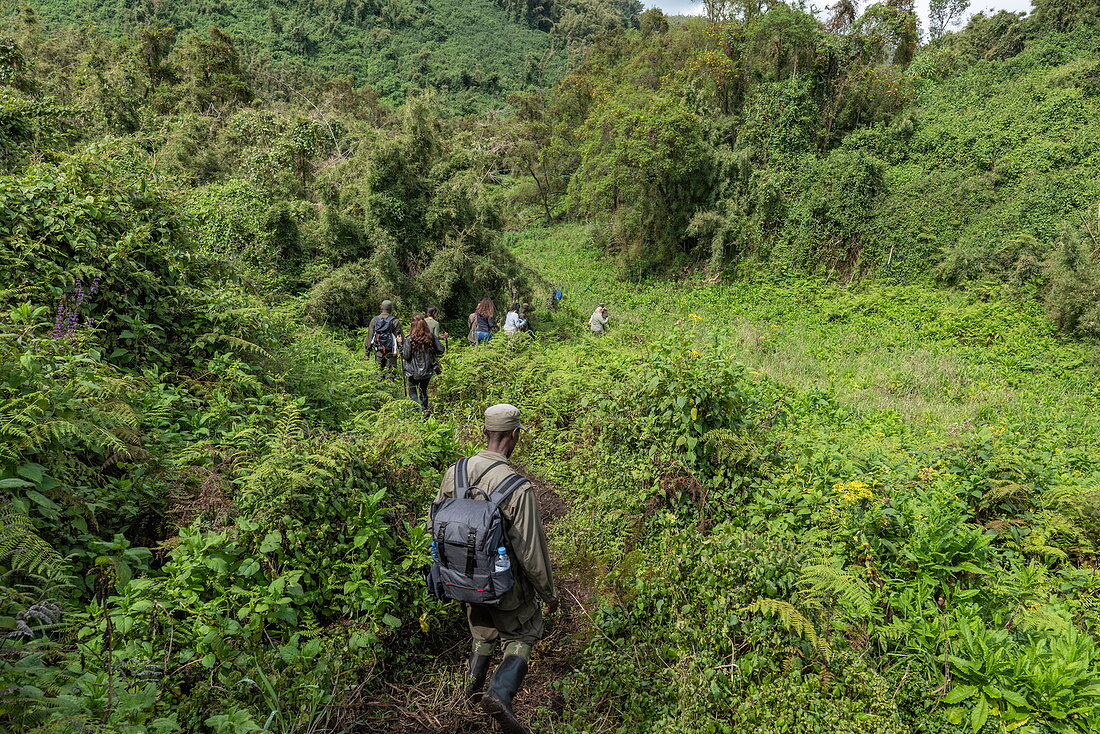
(514, 322)
(433, 324)
(421, 353)
(383, 337)
(525, 317)
(598, 321)
(482, 499)
(482, 325)
(555, 299)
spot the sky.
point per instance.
(695, 7)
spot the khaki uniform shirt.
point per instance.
(433, 326)
(526, 535)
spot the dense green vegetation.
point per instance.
(474, 51)
(774, 141)
(816, 508)
(395, 47)
(835, 468)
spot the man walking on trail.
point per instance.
(383, 337)
(598, 320)
(517, 622)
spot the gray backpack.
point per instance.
(466, 532)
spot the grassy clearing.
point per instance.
(936, 357)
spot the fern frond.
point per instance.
(1001, 490)
(28, 552)
(730, 447)
(820, 583)
(236, 343)
(792, 620)
(896, 630)
(1042, 617)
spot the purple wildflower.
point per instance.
(67, 318)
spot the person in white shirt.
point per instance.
(513, 324)
(598, 320)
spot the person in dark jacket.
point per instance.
(421, 353)
(481, 321)
(384, 338)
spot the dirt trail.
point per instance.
(434, 705)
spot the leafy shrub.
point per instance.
(1073, 299)
(345, 297)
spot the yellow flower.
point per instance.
(695, 316)
(853, 491)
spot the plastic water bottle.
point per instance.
(502, 564)
(435, 552)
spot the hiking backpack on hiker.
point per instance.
(466, 532)
(420, 364)
(383, 341)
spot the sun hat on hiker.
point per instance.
(387, 305)
(502, 418)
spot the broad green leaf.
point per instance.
(960, 693)
(978, 715)
(271, 542)
(32, 472)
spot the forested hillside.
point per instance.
(474, 51)
(840, 147)
(833, 468)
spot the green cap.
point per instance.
(503, 417)
(387, 305)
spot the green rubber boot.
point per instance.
(478, 671)
(506, 682)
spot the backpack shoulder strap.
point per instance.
(473, 489)
(462, 478)
(505, 489)
(488, 469)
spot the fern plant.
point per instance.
(24, 549)
(794, 621)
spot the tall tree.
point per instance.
(942, 14)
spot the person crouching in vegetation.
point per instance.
(383, 337)
(514, 322)
(482, 325)
(516, 621)
(421, 352)
(598, 321)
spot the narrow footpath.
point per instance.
(434, 704)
